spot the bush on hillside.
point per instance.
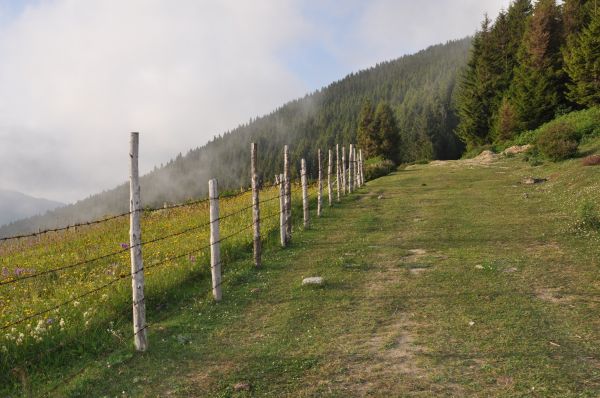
(586, 123)
(558, 142)
(377, 167)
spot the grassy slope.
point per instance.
(503, 299)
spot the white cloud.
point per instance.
(390, 28)
(77, 76)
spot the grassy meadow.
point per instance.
(441, 280)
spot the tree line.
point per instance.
(531, 64)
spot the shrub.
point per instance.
(558, 141)
(377, 167)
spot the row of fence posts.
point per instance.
(349, 176)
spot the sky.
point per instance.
(77, 77)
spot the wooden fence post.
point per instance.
(135, 248)
(337, 170)
(282, 211)
(288, 194)
(350, 167)
(329, 183)
(255, 207)
(362, 169)
(304, 192)
(356, 175)
(215, 247)
(344, 170)
(320, 187)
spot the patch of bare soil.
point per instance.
(553, 295)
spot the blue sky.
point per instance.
(78, 75)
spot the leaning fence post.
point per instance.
(304, 192)
(344, 170)
(255, 207)
(329, 184)
(282, 211)
(135, 248)
(337, 170)
(320, 186)
(288, 193)
(215, 250)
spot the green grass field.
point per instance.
(447, 279)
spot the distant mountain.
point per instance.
(421, 89)
(17, 206)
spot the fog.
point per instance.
(78, 76)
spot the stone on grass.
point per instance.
(241, 386)
(313, 280)
(533, 180)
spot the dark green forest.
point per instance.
(534, 62)
(419, 88)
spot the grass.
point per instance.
(441, 280)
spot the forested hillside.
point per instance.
(534, 62)
(420, 89)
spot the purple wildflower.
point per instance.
(193, 259)
(124, 245)
(49, 321)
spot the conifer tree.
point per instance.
(506, 121)
(582, 64)
(386, 127)
(537, 89)
(367, 137)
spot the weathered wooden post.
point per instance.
(320, 187)
(337, 170)
(344, 170)
(215, 247)
(304, 192)
(135, 248)
(350, 167)
(329, 182)
(288, 194)
(356, 176)
(362, 168)
(282, 211)
(255, 207)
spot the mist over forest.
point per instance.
(420, 88)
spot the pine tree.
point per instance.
(476, 91)
(367, 137)
(386, 127)
(582, 64)
(538, 88)
(506, 122)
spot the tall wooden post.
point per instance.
(135, 245)
(304, 192)
(362, 168)
(350, 167)
(282, 211)
(344, 170)
(288, 194)
(320, 187)
(356, 179)
(329, 182)
(255, 207)
(337, 170)
(215, 247)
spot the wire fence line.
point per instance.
(212, 224)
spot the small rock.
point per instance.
(533, 180)
(380, 197)
(242, 386)
(513, 150)
(511, 270)
(525, 195)
(313, 280)
(471, 323)
(255, 290)
(479, 266)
